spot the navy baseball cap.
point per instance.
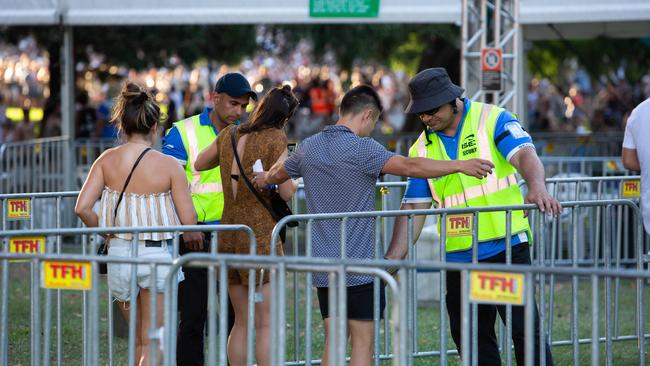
(235, 85)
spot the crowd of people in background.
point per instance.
(581, 106)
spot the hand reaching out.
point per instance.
(477, 168)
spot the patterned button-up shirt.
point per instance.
(340, 170)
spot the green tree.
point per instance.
(400, 45)
(600, 56)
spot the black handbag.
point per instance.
(278, 207)
(103, 247)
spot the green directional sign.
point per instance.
(343, 8)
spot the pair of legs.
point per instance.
(360, 313)
(488, 349)
(237, 342)
(360, 334)
(193, 310)
(143, 322)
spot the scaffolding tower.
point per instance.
(493, 24)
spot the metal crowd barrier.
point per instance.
(546, 144)
(585, 165)
(38, 210)
(574, 144)
(32, 166)
(408, 313)
(543, 269)
(79, 271)
(54, 210)
(38, 165)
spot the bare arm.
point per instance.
(184, 206)
(531, 168)
(631, 160)
(428, 168)
(398, 248)
(288, 187)
(90, 192)
(276, 175)
(209, 157)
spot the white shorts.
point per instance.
(119, 274)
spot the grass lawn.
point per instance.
(624, 353)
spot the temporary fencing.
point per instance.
(589, 166)
(79, 271)
(32, 166)
(38, 165)
(38, 210)
(53, 210)
(576, 144)
(588, 221)
(546, 144)
(556, 267)
(548, 274)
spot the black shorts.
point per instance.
(360, 300)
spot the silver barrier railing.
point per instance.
(33, 165)
(38, 165)
(38, 210)
(86, 151)
(54, 204)
(584, 165)
(32, 246)
(591, 221)
(166, 340)
(574, 144)
(279, 266)
(606, 246)
(411, 312)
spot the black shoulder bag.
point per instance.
(278, 207)
(103, 248)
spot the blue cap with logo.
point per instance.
(235, 85)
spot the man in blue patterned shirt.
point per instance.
(340, 167)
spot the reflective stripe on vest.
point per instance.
(193, 148)
(457, 190)
(205, 186)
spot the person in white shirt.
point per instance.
(636, 153)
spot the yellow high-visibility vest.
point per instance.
(205, 186)
(458, 190)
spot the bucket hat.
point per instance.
(430, 89)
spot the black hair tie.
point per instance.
(141, 98)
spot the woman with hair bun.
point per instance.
(263, 139)
(138, 186)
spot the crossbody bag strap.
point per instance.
(128, 179)
(248, 182)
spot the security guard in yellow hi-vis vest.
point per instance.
(184, 141)
(456, 128)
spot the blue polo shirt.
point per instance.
(510, 137)
(172, 143)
